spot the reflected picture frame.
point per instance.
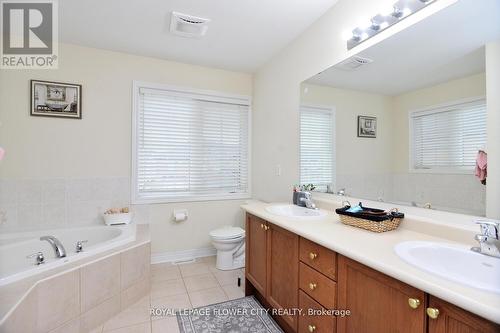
(367, 127)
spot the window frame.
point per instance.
(332, 110)
(214, 96)
(442, 107)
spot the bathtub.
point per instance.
(15, 247)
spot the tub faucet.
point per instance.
(489, 243)
(59, 249)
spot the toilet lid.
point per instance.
(227, 233)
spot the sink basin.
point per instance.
(453, 262)
(295, 211)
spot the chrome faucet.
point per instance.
(489, 244)
(306, 199)
(59, 249)
(341, 192)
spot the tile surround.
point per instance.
(168, 291)
(133, 265)
(54, 203)
(84, 298)
(99, 282)
(438, 189)
(58, 300)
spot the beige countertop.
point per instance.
(377, 251)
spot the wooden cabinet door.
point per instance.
(256, 253)
(283, 272)
(377, 302)
(452, 319)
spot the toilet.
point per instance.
(230, 245)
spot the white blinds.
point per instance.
(190, 146)
(317, 154)
(448, 138)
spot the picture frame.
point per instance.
(55, 99)
(367, 127)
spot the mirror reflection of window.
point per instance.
(446, 139)
(317, 149)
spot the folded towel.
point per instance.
(355, 209)
(482, 166)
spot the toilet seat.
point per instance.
(227, 233)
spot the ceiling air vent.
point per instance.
(188, 26)
(353, 63)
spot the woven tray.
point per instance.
(375, 223)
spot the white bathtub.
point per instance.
(15, 247)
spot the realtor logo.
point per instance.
(29, 34)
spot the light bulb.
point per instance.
(386, 10)
(365, 24)
(406, 11)
(383, 25)
(346, 35)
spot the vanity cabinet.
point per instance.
(451, 319)
(285, 271)
(377, 302)
(272, 266)
(256, 253)
(282, 268)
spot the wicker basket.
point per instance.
(384, 223)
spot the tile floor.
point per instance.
(176, 286)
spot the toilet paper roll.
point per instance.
(178, 217)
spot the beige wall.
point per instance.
(99, 145)
(277, 94)
(348, 104)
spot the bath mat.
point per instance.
(239, 315)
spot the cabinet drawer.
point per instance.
(318, 257)
(316, 322)
(318, 286)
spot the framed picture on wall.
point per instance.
(367, 127)
(56, 99)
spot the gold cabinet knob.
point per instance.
(312, 286)
(313, 255)
(311, 328)
(432, 313)
(413, 303)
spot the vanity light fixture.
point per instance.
(399, 11)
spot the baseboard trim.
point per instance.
(162, 257)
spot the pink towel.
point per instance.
(482, 166)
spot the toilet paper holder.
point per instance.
(180, 215)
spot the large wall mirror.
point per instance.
(405, 127)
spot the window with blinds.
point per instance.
(190, 146)
(448, 138)
(317, 146)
